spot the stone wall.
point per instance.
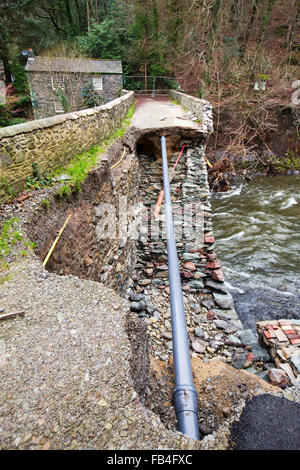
(85, 249)
(73, 86)
(53, 141)
(201, 109)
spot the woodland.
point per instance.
(216, 50)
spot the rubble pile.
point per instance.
(282, 340)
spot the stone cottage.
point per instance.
(61, 85)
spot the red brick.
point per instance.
(280, 335)
(290, 332)
(268, 335)
(217, 275)
(295, 341)
(213, 265)
(190, 266)
(186, 274)
(292, 336)
(211, 256)
(250, 357)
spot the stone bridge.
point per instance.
(88, 364)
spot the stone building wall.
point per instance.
(73, 86)
(53, 141)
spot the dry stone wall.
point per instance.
(91, 245)
(53, 141)
(200, 109)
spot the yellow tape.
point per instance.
(116, 164)
(209, 164)
(55, 241)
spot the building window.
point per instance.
(58, 82)
(98, 84)
(58, 106)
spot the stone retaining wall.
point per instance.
(91, 246)
(53, 141)
(201, 109)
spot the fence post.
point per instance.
(153, 87)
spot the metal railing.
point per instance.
(185, 395)
(143, 84)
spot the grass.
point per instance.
(9, 236)
(80, 165)
(77, 169)
(5, 279)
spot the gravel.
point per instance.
(65, 372)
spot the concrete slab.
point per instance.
(154, 113)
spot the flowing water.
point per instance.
(257, 228)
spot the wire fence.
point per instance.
(142, 84)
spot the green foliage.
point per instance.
(281, 30)
(63, 99)
(78, 169)
(4, 183)
(20, 80)
(5, 279)
(80, 165)
(38, 180)
(9, 236)
(107, 40)
(290, 161)
(45, 203)
(90, 96)
(201, 93)
(22, 101)
(6, 118)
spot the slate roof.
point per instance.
(63, 64)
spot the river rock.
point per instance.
(216, 286)
(239, 360)
(199, 332)
(198, 347)
(217, 275)
(221, 324)
(247, 337)
(136, 297)
(260, 354)
(197, 284)
(137, 306)
(225, 302)
(208, 303)
(189, 266)
(278, 377)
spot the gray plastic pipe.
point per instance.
(185, 395)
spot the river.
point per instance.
(257, 230)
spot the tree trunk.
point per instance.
(249, 27)
(7, 70)
(265, 22)
(88, 14)
(79, 17)
(292, 26)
